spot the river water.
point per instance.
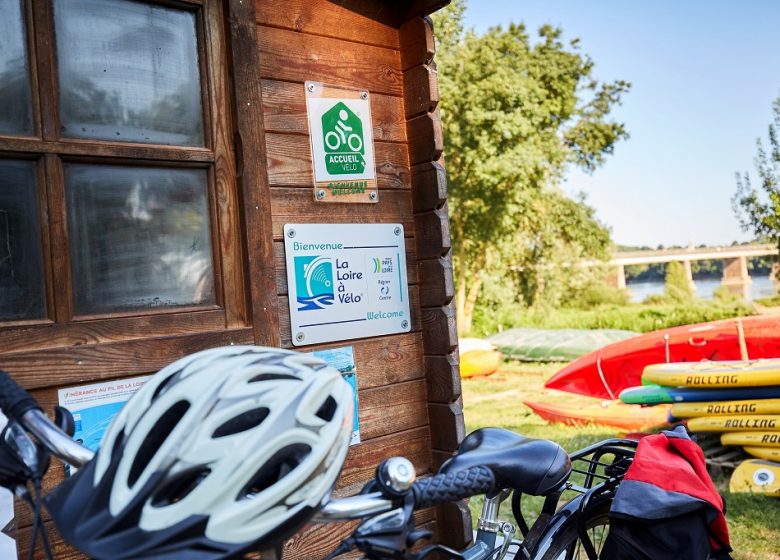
(761, 287)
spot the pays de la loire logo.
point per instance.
(343, 139)
(313, 282)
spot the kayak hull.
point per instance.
(766, 453)
(478, 363)
(768, 422)
(754, 439)
(605, 413)
(554, 345)
(605, 372)
(731, 373)
(726, 408)
(655, 394)
(756, 476)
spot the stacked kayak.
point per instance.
(579, 410)
(478, 357)
(554, 345)
(739, 399)
(607, 371)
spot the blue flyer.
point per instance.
(343, 359)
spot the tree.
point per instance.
(515, 114)
(755, 211)
(677, 286)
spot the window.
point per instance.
(109, 157)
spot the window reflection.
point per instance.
(15, 98)
(21, 269)
(128, 72)
(139, 237)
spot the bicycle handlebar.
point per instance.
(438, 489)
(20, 406)
(15, 401)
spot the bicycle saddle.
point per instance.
(532, 466)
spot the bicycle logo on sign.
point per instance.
(342, 137)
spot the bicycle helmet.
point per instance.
(221, 452)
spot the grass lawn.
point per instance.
(754, 521)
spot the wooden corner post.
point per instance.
(429, 196)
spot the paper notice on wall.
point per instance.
(7, 526)
(343, 359)
(94, 406)
(7, 544)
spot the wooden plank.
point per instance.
(361, 21)
(439, 330)
(123, 151)
(429, 186)
(95, 362)
(252, 172)
(363, 458)
(297, 206)
(296, 57)
(436, 282)
(447, 427)
(284, 110)
(454, 524)
(426, 142)
(290, 164)
(393, 408)
(414, 310)
(432, 231)
(421, 90)
(417, 42)
(319, 540)
(59, 548)
(443, 376)
(281, 266)
(108, 330)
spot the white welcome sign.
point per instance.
(346, 281)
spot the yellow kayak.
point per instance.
(737, 373)
(726, 408)
(756, 477)
(757, 439)
(768, 453)
(478, 357)
(766, 422)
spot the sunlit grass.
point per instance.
(754, 521)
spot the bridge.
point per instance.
(735, 272)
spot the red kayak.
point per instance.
(607, 371)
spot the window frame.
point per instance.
(50, 150)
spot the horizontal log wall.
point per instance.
(408, 383)
(322, 41)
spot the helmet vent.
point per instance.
(155, 438)
(163, 384)
(242, 422)
(328, 409)
(273, 377)
(275, 469)
(179, 487)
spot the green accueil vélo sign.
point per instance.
(342, 137)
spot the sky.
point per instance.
(704, 75)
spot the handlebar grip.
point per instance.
(453, 486)
(15, 401)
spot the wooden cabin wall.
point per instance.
(409, 388)
(321, 41)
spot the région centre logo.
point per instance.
(342, 135)
(313, 282)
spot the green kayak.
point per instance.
(554, 345)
